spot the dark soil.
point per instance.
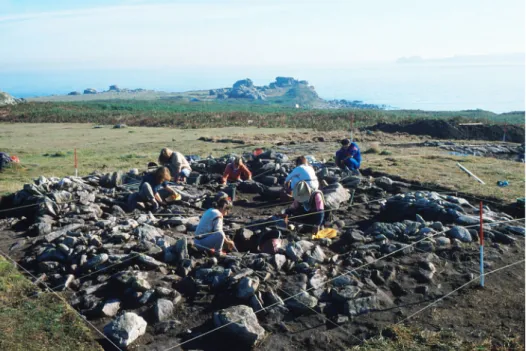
(441, 129)
(496, 311)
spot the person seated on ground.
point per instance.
(209, 234)
(309, 205)
(349, 156)
(302, 172)
(177, 163)
(149, 190)
(236, 170)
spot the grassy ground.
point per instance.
(414, 339)
(47, 149)
(45, 323)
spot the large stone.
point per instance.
(460, 233)
(163, 310)
(178, 252)
(247, 287)
(96, 261)
(301, 302)
(279, 261)
(294, 251)
(335, 195)
(149, 262)
(347, 293)
(360, 306)
(110, 308)
(241, 324)
(125, 329)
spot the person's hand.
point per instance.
(229, 244)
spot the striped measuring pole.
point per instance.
(481, 244)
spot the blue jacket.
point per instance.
(353, 150)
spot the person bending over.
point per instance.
(209, 234)
(177, 163)
(236, 170)
(309, 205)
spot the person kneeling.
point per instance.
(308, 206)
(209, 234)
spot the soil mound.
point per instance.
(441, 129)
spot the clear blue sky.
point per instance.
(41, 34)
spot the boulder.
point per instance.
(90, 91)
(335, 195)
(125, 329)
(6, 99)
(242, 324)
(460, 233)
(110, 308)
(163, 310)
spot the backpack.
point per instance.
(5, 160)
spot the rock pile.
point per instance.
(139, 271)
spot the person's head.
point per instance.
(238, 161)
(301, 160)
(152, 165)
(224, 205)
(162, 174)
(164, 156)
(345, 143)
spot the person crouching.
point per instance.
(149, 190)
(209, 234)
(236, 171)
(308, 206)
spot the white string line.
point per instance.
(328, 281)
(457, 289)
(63, 299)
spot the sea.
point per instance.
(496, 87)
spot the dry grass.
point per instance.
(413, 339)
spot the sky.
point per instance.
(39, 35)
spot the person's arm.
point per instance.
(291, 175)
(168, 189)
(217, 227)
(246, 172)
(158, 198)
(227, 173)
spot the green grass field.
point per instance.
(48, 149)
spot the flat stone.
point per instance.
(347, 293)
(110, 308)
